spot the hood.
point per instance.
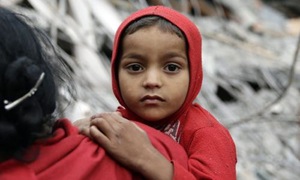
(194, 41)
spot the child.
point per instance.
(156, 76)
(32, 144)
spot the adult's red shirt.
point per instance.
(71, 156)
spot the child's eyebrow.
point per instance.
(173, 54)
(133, 55)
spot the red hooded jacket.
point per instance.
(210, 148)
(71, 156)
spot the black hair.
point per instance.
(25, 53)
(148, 21)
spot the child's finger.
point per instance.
(99, 137)
(104, 126)
(114, 117)
(96, 116)
(103, 114)
(81, 123)
(85, 131)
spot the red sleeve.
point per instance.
(209, 146)
(173, 151)
(212, 154)
(181, 173)
(166, 145)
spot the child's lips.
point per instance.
(152, 99)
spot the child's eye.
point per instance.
(134, 67)
(172, 68)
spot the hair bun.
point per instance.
(24, 121)
(20, 77)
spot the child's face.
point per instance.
(153, 73)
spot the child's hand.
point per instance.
(123, 139)
(84, 124)
(129, 145)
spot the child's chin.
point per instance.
(153, 118)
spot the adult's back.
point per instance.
(69, 155)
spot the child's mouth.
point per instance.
(152, 99)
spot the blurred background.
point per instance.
(250, 60)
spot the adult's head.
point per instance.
(28, 92)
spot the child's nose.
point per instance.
(152, 79)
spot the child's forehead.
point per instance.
(153, 21)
